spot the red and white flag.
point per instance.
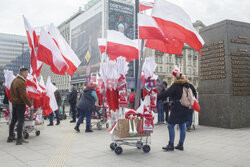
(50, 104)
(33, 38)
(145, 6)
(41, 85)
(119, 45)
(102, 43)
(148, 29)
(49, 53)
(176, 24)
(68, 54)
(9, 77)
(31, 87)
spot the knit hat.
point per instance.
(177, 72)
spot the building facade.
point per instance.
(13, 53)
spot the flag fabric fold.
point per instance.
(176, 24)
(119, 45)
(9, 77)
(33, 38)
(145, 6)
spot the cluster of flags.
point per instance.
(42, 95)
(48, 46)
(166, 30)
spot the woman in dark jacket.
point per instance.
(86, 106)
(179, 114)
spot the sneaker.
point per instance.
(158, 123)
(72, 121)
(18, 142)
(57, 123)
(50, 125)
(189, 129)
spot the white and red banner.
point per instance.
(33, 38)
(32, 87)
(119, 45)
(148, 29)
(9, 77)
(50, 104)
(102, 43)
(145, 6)
(68, 54)
(176, 24)
(48, 46)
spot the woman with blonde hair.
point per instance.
(179, 114)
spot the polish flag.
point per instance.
(68, 54)
(176, 24)
(148, 29)
(145, 6)
(33, 38)
(9, 77)
(50, 104)
(119, 45)
(49, 53)
(102, 43)
(41, 84)
(31, 87)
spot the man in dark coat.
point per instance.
(166, 101)
(86, 106)
(59, 102)
(19, 101)
(179, 114)
(72, 102)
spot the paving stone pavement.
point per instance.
(61, 146)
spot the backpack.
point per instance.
(187, 98)
(131, 98)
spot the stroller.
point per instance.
(100, 117)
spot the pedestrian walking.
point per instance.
(179, 114)
(59, 102)
(160, 110)
(86, 106)
(166, 101)
(72, 102)
(19, 101)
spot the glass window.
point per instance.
(160, 69)
(156, 70)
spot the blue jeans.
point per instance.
(83, 114)
(172, 132)
(51, 117)
(160, 111)
(189, 123)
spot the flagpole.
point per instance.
(138, 85)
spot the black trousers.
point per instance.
(18, 111)
(73, 110)
(166, 109)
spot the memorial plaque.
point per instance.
(224, 85)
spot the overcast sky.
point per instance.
(40, 12)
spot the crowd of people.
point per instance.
(169, 108)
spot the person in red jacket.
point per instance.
(131, 99)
